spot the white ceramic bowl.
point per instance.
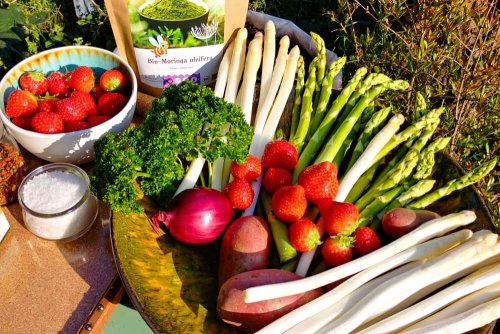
(73, 147)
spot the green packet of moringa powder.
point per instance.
(168, 41)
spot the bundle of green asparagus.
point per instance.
(379, 167)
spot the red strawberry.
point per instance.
(304, 235)
(57, 85)
(22, 122)
(76, 126)
(280, 153)
(249, 170)
(47, 105)
(97, 92)
(88, 102)
(319, 181)
(113, 81)
(34, 82)
(240, 193)
(338, 217)
(110, 104)
(97, 119)
(275, 178)
(365, 241)
(71, 109)
(336, 251)
(81, 79)
(47, 122)
(289, 203)
(21, 103)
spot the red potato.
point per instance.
(250, 317)
(399, 221)
(246, 245)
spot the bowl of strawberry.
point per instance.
(57, 103)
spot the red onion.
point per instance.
(197, 216)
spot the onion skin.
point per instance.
(196, 216)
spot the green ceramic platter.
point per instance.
(174, 287)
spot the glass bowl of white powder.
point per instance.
(56, 202)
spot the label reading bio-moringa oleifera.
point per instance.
(175, 40)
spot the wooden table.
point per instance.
(57, 287)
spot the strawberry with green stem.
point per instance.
(337, 250)
(35, 82)
(338, 217)
(113, 80)
(250, 170)
(304, 235)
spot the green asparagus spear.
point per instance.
(371, 80)
(468, 179)
(326, 92)
(360, 124)
(299, 90)
(320, 73)
(417, 146)
(399, 173)
(378, 204)
(417, 190)
(332, 146)
(426, 160)
(420, 105)
(409, 132)
(279, 230)
(362, 184)
(371, 128)
(305, 112)
(315, 142)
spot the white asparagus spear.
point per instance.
(480, 247)
(252, 64)
(278, 72)
(422, 251)
(473, 318)
(273, 119)
(235, 67)
(472, 300)
(475, 281)
(267, 61)
(220, 84)
(424, 232)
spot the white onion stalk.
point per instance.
(274, 118)
(220, 84)
(480, 279)
(365, 160)
(462, 305)
(480, 247)
(277, 76)
(267, 61)
(422, 251)
(473, 318)
(362, 164)
(424, 232)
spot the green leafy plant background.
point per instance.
(447, 50)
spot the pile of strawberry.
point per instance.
(297, 204)
(63, 102)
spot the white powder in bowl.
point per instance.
(53, 192)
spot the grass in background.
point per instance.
(447, 50)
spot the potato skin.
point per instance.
(250, 317)
(399, 221)
(246, 245)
